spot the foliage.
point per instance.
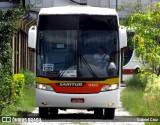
(29, 77)
(133, 100)
(146, 81)
(142, 102)
(9, 25)
(17, 87)
(129, 8)
(5, 89)
(141, 97)
(147, 34)
(152, 89)
(25, 105)
(137, 81)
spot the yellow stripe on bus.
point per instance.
(48, 81)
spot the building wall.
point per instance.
(61, 3)
(37, 4)
(20, 51)
(6, 5)
(99, 3)
(22, 58)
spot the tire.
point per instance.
(43, 112)
(53, 112)
(109, 113)
(98, 112)
(136, 71)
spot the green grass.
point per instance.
(26, 105)
(134, 101)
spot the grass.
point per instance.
(26, 105)
(134, 101)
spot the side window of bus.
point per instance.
(127, 56)
(129, 50)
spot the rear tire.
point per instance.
(43, 112)
(136, 71)
(109, 113)
(98, 112)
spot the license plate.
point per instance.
(77, 100)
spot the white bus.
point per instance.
(78, 62)
(131, 64)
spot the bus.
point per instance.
(131, 64)
(78, 59)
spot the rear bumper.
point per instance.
(127, 77)
(60, 100)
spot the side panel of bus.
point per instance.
(131, 65)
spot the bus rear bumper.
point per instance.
(107, 99)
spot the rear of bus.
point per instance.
(131, 64)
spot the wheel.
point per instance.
(98, 112)
(43, 112)
(136, 71)
(109, 113)
(53, 112)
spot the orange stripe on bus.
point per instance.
(87, 88)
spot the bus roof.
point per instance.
(76, 10)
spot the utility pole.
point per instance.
(151, 4)
(109, 4)
(116, 4)
(23, 3)
(99, 3)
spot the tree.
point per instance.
(147, 36)
(129, 8)
(9, 25)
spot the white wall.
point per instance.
(37, 4)
(112, 3)
(61, 2)
(48, 3)
(6, 5)
(93, 2)
(102, 3)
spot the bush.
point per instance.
(11, 88)
(152, 89)
(9, 25)
(5, 90)
(17, 87)
(28, 76)
(137, 81)
(25, 105)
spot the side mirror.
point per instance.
(122, 37)
(112, 69)
(32, 37)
